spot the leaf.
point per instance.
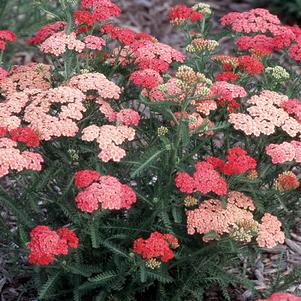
(114, 248)
(163, 278)
(146, 163)
(103, 277)
(49, 286)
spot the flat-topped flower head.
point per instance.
(270, 233)
(95, 82)
(104, 191)
(158, 246)
(205, 179)
(46, 244)
(179, 14)
(212, 217)
(58, 43)
(254, 20)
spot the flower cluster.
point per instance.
(11, 158)
(201, 44)
(238, 161)
(205, 179)
(281, 297)
(286, 181)
(284, 152)
(94, 42)
(59, 42)
(46, 244)
(95, 10)
(269, 233)
(150, 55)
(46, 31)
(265, 115)
(124, 35)
(179, 14)
(104, 190)
(158, 245)
(95, 82)
(147, 78)
(5, 36)
(31, 76)
(212, 216)
(108, 138)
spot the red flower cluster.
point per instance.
(124, 35)
(228, 76)
(96, 10)
(84, 178)
(250, 64)
(178, 14)
(238, 161)
(45, 244)
(46, 31)
(6, 35)
(104, 190)
(158, 245)
(205, 179)
(25, 135)
(146, 78)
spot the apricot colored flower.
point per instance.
(59, 42)
(212, 216)
(109, 137)
(270, 233)
(95, 82)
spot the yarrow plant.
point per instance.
(145, 172)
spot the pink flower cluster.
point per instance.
(254, 20)
(281, 297)
(226, 92)
(11, 158)
(104, 190)
(285, 152)
(109, 137)
(45, 244)
(205, 179)
(30, 76)
(94, 42)
(149, 55)
(212, 216)
(95, 82)
(265, 115)
(147, 78)
(269, 233)
(59, 42)
(158, 245)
